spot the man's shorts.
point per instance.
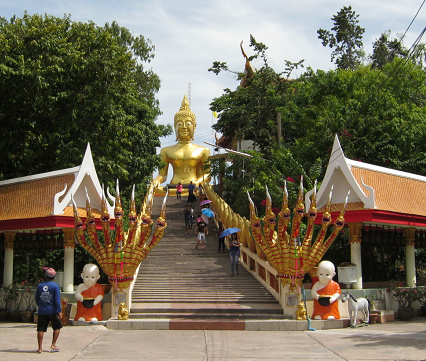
(43, 322)
(201, 237)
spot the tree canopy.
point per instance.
(379, 115)
(249, 112)
(65, 83)
(346, 39)
(376, 109)
(386, 49)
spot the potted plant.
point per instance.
(28, 298)
(405, 296)
(8, 297)
(421, 297)
(373, 314)
(16, 298)
(4, 311)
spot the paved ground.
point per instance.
(390, 341)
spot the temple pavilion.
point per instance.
(37, 213)
(383, 203)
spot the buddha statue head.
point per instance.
(185, 122)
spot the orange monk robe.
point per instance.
(89, 313)
(333, 308)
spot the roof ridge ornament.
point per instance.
(372, 196)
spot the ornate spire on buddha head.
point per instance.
(185, 112)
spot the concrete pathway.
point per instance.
(389, 341)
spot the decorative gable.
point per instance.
(86, 179)
(371, 187)
(48, 194)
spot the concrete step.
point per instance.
(208, 316)
(223, 324)
(212, 309)
(202, 300)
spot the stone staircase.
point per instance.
(180, 287)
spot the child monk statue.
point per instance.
(325, 293)
(89, 295)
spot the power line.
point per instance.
(410, 50)
(401, 64)
(412, 21)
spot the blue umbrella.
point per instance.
(229, 231)
(208, 212)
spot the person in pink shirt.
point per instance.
(179, 188)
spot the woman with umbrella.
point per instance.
(234, 253)
(206, 214)
(234, 250)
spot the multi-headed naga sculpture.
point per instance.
(122, 252)
(290, 255)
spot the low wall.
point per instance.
(261, 270)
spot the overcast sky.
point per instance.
(189, 35)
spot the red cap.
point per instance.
(50, 272)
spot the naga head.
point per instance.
(270, 216)
(340, 220)
(285, 212)
(300, 206)
(313, 208)
(78, 224)
(105, 214)
(161, 220)
(118, 210)
(90, 220)
(254, 219)
(145, 215)
(132, 213)
(326, 217)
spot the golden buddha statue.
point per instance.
(185, 157)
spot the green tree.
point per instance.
(65, 83)
(254, 174)
(346, 40)
(378, 114)
(249, 112)
(386, 49)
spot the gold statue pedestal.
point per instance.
(162, 190)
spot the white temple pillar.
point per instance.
(69, 246)
(410, 258)
(355, 242)
(8, 258)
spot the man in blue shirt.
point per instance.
(191, 195)
(48, 299)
